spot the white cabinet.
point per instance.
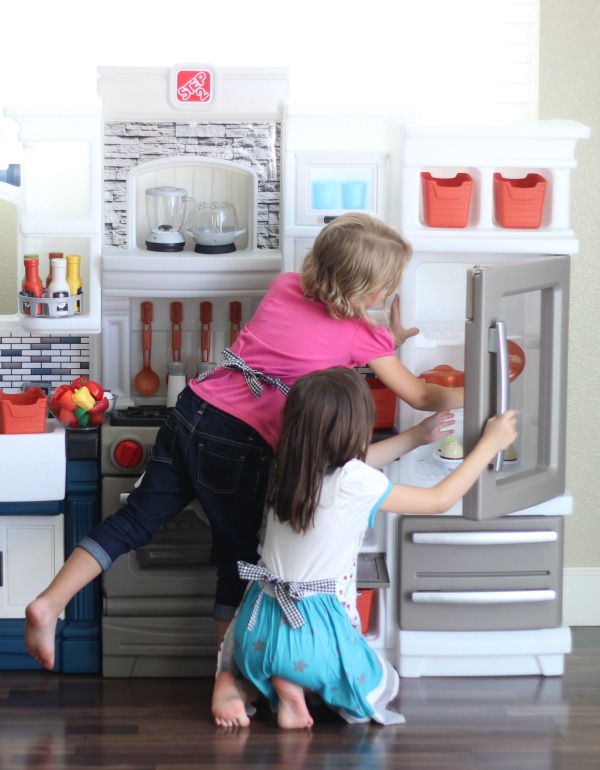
(45, 452)
(328, 184)
(31, 553)
(543, 149)
(336, 161)
(62, 204)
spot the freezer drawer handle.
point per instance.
(483, 597)
(484, 538)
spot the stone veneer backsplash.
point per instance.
(43, 361)
(253, 144)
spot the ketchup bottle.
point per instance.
(32, 285)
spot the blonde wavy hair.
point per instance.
(353, 256)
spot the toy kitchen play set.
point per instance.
(192, 188)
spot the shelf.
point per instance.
(35, 227)
(186, 273)
(497, 240)
(433, 335)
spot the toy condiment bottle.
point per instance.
(176, 382)
(74, 278)
(32, 285)
(58, 288)
(52, 255)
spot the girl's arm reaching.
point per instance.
(498, 434)
(420, 395)
(400, 333)
(428, 431)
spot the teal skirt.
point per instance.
(326, 655)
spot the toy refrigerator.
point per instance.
(486, 211)
(478, 591)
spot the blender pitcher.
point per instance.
(169, 210)
(216, 228)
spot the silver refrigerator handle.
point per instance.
(498, 345)
(485, 538)
(484, 597)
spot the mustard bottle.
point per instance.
(74, 278)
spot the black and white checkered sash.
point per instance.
(254, 378)
(287, 593)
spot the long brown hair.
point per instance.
(353, 256)
(327, 420)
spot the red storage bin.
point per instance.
(23, 412)
(385, 404)
(519, 203)
(446, 202)
(364, 605)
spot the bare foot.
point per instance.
(228, 703)
(40, 630)
(292, 713)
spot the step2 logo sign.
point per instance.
(191, 86)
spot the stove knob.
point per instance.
(128, 453)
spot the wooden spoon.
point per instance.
(146, 381)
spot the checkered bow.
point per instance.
(287, 593)
(254, 378)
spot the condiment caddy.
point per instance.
(61, 296)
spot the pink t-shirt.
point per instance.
(287, 337)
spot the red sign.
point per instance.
(194, 86)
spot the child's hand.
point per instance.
(434, 428)
(502, 429)
(400, 333)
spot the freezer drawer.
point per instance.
(459, 575)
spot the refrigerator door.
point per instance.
(526, 303)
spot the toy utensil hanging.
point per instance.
(205, 327)
(176, 319)
(146, 381)
(235, 321)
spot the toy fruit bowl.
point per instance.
(82, 405)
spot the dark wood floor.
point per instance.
(50, 721)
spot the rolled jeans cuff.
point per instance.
(95, 550)
(223, 612)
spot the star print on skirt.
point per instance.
(325, 655)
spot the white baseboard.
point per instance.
(581, 588)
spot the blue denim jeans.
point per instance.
(200, 452)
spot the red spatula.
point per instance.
(235, 321)
(205, 328)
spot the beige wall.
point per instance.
(8, 261)
(569, 76)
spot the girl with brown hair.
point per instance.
(292, 633)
